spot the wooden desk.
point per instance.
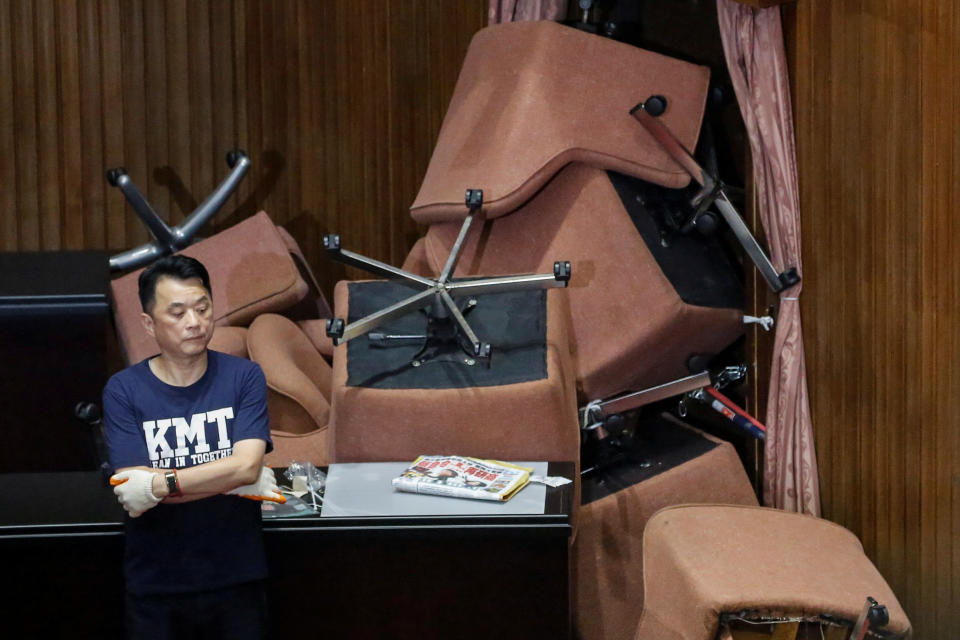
(61, 543)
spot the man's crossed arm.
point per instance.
(241, 473)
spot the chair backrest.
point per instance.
(638, 310)
(534, 96)
(251, 272)
(540, 120)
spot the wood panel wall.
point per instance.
(338, 104)
(876, 100)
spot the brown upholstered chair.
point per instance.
(685, 466)
(533, 97)
(534, 419)
(633, 327)
(298, 389)
(257, 269)
(540, 120)
(251, 272)
(707, 566)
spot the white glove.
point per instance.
(265, 488)
(134, 490)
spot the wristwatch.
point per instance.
(173, 485)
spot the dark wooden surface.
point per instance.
(876, 100)
(356, 577)
(337, 103)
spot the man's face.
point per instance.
(182, 317)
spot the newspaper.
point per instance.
(461, 477)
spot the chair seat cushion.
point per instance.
(703, 560)
(533, 420)
(298, 378)
(298, 447)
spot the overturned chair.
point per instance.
(715, 571)
(256, 268)
(540, 118)
(577, 142)
(477, 367)
(558, 165)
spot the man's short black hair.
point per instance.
(177, 266)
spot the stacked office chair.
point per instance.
(580, 143)
(574, 140)
(540, 121)
(541, 118)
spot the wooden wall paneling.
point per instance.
(223, 73)
(93, 185)
(940, 104)
(926, 550)
(310, 90)
(905, 314)
(845, 209)
(899, 164)
(249, 96)
(270, 96)
(206, 163)
(380, 210)
(157, 137)
(48, 131)
(410, 148)
(295, 140)
(358, 110)
(949, 310)
(290, 58)
(8, 141)
(237, 52)
(111, 64)
(278, 84)
(876, 104)
(335, 123)
(870, 264)
(368, 133)
(134, 117)
(70, 147)
(310, 180)
(319, 214)
(25, 115)
(178, 172)
(338, 127)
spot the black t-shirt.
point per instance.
(205, 544)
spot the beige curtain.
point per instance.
(753, 44)
(515, 10)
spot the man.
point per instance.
(183, 428)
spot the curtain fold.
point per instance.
(754, 50)
(516, 10)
